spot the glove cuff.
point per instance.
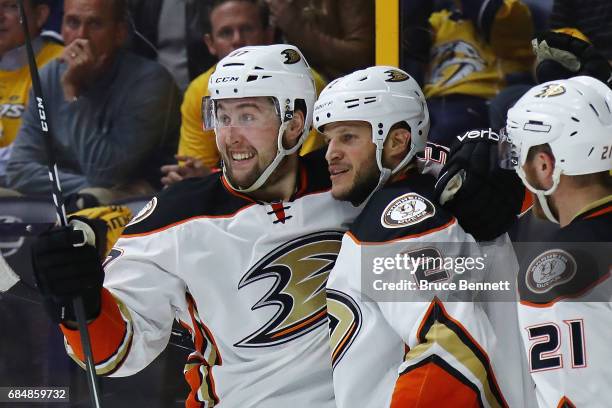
(94, 231)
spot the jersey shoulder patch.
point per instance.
(405, 210)
(193, 197)
(554, 271)
(400, 210)
(569, 262)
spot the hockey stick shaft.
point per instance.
(58, 201)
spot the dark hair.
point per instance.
(404, 125)
(401, 125)
(264, 13)
(543, 148)
(300, 105)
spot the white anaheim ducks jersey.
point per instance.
(246, 278)
(408, 349)
(566, 311)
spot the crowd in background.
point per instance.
(124, 79)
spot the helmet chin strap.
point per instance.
(542, 195)
(386, 173)
(281, 152)
(546, 208)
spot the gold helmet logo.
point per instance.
(396, 75)
(551, 90)
(292, 56)
(299, 270)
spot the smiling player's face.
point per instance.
(351, 157)
(247, 134)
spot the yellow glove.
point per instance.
(115, 218)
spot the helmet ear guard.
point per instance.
(277, 71)
(382, 96)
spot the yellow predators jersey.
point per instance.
(116, 217)
(463, 62)
(14, 88)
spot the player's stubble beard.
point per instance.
(256, 172)
(364, 182)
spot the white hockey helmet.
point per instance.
(279, 71)
(574, 117)
(382, 96)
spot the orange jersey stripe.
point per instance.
(299, 326)
(174, 224)
(234, 192)
(572, 296)
(527, 201)
(106, 332)
(430, 386)
(349, 334)
(600, 212)
(486, 362)
(431, 231)
(195, 379)
(565, 403)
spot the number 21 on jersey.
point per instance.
(546, 340)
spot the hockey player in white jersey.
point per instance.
(416, 352)
(241, 258)
(560, 143)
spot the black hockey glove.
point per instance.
(485, 198)
(561, 56)
(66, 265)
(77, 201)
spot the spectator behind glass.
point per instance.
(476, 49)
(233, 24)
(14, 71)
(591, 17)
(114, 116)
(169, 32)
(560, 54)
(336, 36)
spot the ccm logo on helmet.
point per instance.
(480, 134)
(227, 79)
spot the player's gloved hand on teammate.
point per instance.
(67, 265)
(560, 55)
(485, 198)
